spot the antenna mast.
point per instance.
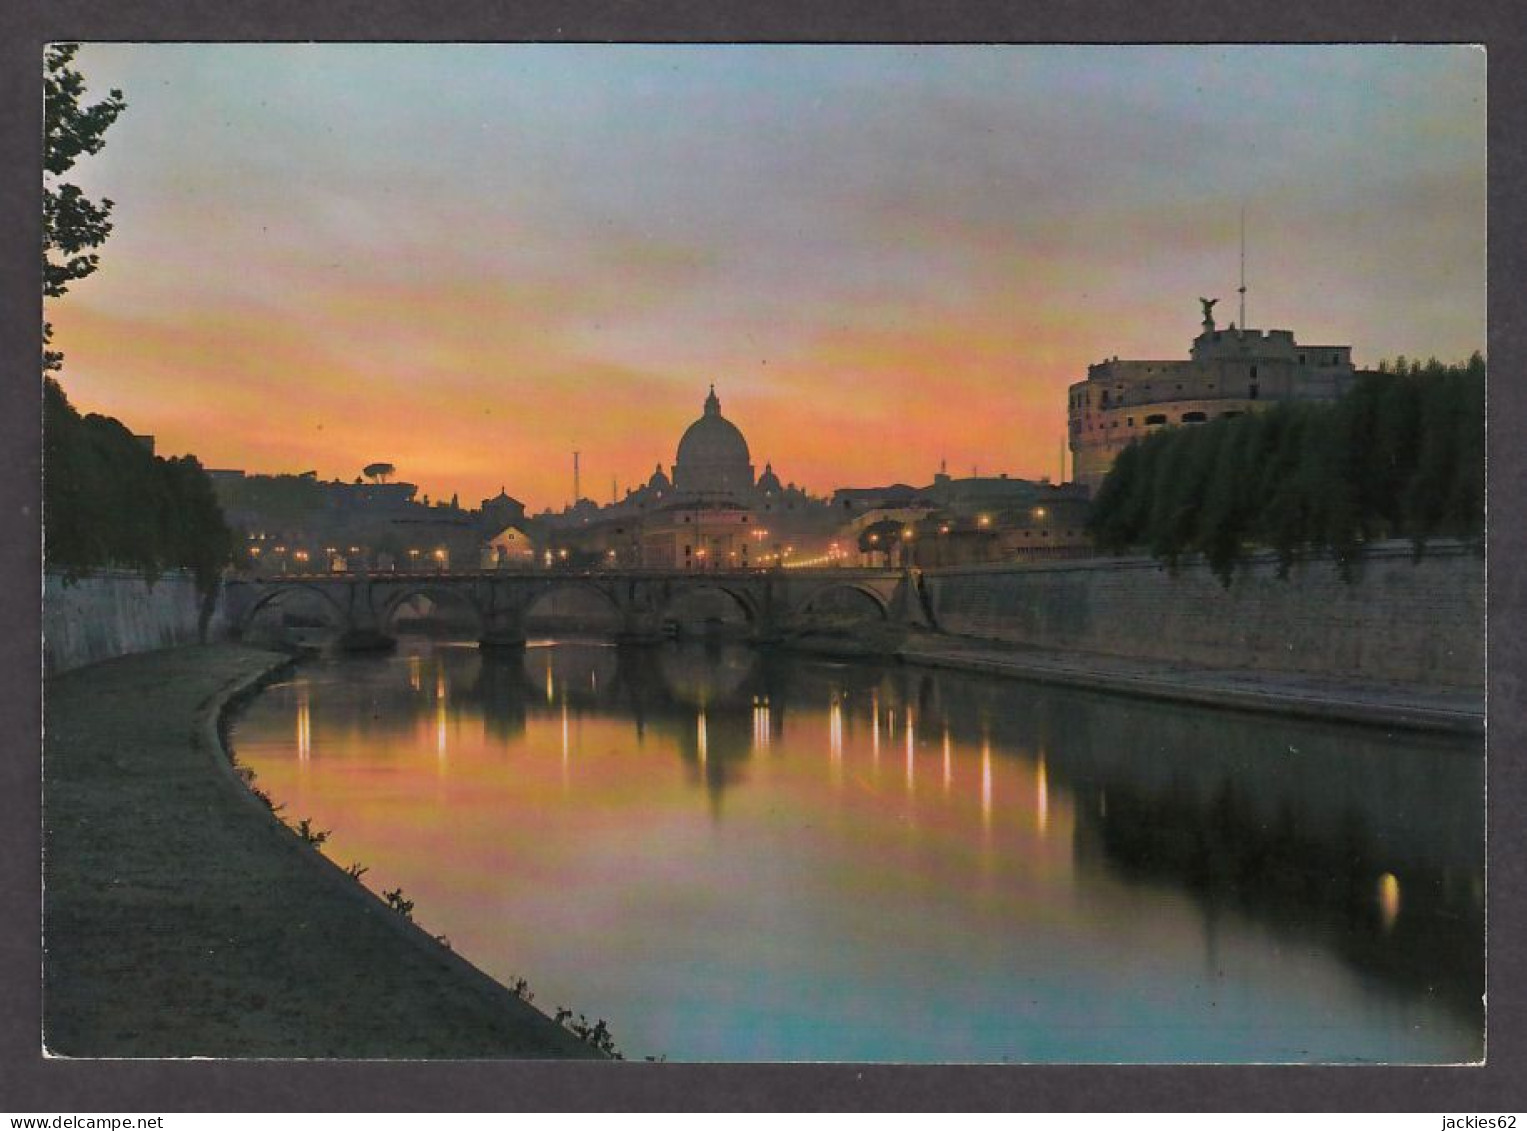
(577, 494)
(1242, 287)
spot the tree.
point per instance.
(378, 472)
(1400, 455)
(72, 223)
(881, 537)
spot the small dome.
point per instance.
(768, 481)
(659, 481)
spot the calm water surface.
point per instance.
(732, 855)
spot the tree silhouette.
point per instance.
(1400, 455)
(72, 223)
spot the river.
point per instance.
(750, 856)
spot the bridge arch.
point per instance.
(848, 598)
(600, 609)
(740, 598)
(440, 595)
(274, 594)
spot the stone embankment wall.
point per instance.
(1416, 622)
(114, 612)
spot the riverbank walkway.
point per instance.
(1327, 698)
(182, 920)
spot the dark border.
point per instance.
(28, 1082)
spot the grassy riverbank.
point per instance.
(182, 920)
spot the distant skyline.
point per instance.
(470, 260)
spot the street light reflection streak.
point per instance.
(304, 724)
(835, 739)
(948, 763)
(986, 783)
(875, 729)
(700, 743)
(1043, 796)
(1389, 900)
(566, 746)
(760, 724)
(911, 753)
(440, 716)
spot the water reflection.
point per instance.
(1096, 878)
(304, 723)
(1389, 900)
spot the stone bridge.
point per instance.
(775, 603)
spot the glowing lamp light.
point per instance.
(255, 550)
(985, 520)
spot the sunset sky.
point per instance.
(471, 260)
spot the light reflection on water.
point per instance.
(697, 844)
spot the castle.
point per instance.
(1228, 372)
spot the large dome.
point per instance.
(713, 455)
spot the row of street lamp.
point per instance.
(835, 553)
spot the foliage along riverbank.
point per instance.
(1401, 455)
(109, 501)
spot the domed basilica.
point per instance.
(714, 467)
(713, 455)
(711, 511)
